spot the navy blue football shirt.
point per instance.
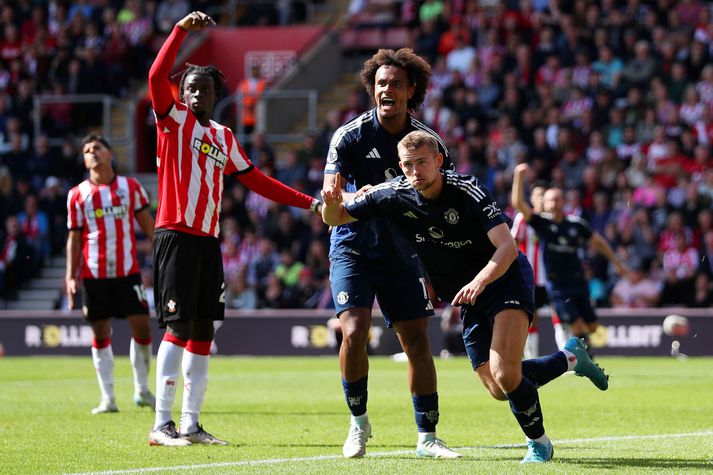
(561, 244)
(450, 233)
(364, 153)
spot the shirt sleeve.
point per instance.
(537, 222)
(75, 213)
(338, 156)
(238, 162)
(159, 83)
(487, 210)
(139, 197)
(371, 204)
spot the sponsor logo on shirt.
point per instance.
(492, 209)
(108, 211)
(211, 151)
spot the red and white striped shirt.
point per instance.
(105, 214)
(191, 160)
(528, 242)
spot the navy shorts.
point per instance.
(513, 290)
(400, 289)
(188, 277)
(106, 298)
(572, 303)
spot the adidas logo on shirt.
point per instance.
(410, 214)
(373, 154)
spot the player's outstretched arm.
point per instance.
(159, 84)
(275, 190)
(517, 197)
(504, 255)
(333, 211)
(603, 247)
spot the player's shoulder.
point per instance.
(466, 184)
(576, 220)
(391, 186)
(352, 130)
(80, 189)
(418, 125)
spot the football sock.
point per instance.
(140, 356)
(541, 371)
(561, 334)
(525, 405)
(356, 395)
(103, 358)
(532, 344)
(195, 383)
(425, 409)
(168, 368)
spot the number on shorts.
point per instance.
(140, 292)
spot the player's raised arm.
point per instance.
(518, 191)
(159, 84)
(275, 190)
(333, 211)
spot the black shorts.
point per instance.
(120, 297)
(188, 277)
(541, 297)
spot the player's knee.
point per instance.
(506, 378)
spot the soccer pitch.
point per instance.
(287, 415)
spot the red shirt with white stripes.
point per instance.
(192, 159)
(528, 242)
(105, 215)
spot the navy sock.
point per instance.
(541, 371)
(525, 404)
(426, 410)
(356, 395)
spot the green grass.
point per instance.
(287, 415)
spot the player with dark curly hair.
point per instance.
(193, 155)
(368, 259)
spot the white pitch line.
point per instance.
(383, 454)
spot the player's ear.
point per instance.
(439, 160)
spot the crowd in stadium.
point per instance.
(610, 100)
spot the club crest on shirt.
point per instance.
(332, 156)
(451, 216)
(171, 306)
(342, 297)
(211, 151)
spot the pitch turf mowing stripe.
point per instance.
(385, 454)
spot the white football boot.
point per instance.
(355, 445)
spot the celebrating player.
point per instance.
(365, 259)
(529, 244)
(194, 153)
(102, 244)
(561, 239)
(463, 238)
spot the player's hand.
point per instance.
(195, 21)
(71, 285)
(469, 292)
(332, 196)
(364, 189)
(521, 168)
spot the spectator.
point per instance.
(636, 290)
